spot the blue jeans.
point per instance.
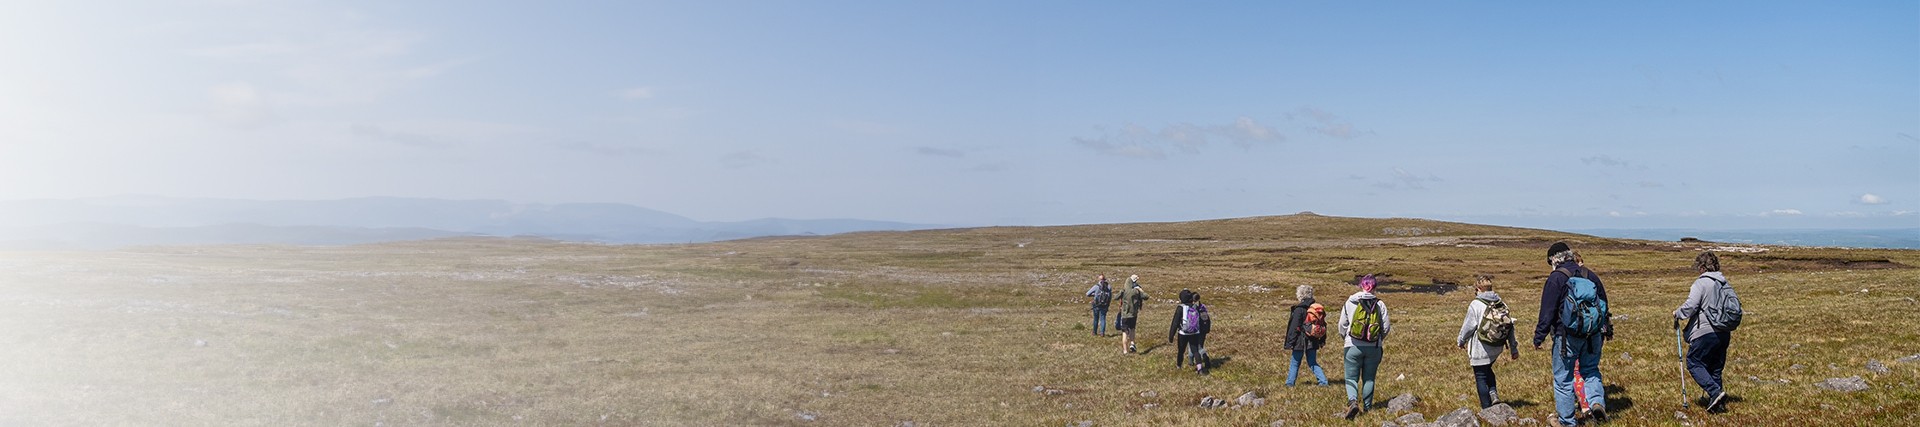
(1362, 364)
(1706, 356)
(1313, 362)
(1566, 352)
(1100, 320)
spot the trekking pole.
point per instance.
(1678, 349)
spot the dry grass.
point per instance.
(943, 327)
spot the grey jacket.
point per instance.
(1346, 321)
(1705, 293)
(1480, 353)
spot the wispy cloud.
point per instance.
(635, 93)
(605, 150)
(939, 152)
(1782, 212)
(1403, 180)
(1650, 184)
(376, 132)
(1610, 161)
(1328, 124)
(1144, 143)
(1871, 199)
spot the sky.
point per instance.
(1590, 115)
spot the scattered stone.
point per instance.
(1797, 367)
(1845, 385)
(1150, 406)
(1909, 359)
(1875, 366)
(1679, 416)
(808, 416)
(1278, 423)
(1499, 414)
(1462, 417)
(1409, 419)
(1149, 393)
(1259, 402)
(1206, 402)
(1527, 422)
(1388, 424)
(1086, 423)
(1625, 357)
(1402, 377)
(1246, 399)
(906, 424)
(382, 401)
(1039, 389)
(1055, 392)
(199, 343)
(1402, 403)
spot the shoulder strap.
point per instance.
(1721, 282)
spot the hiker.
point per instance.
(1200, 340)
(1487, 329)
(1102, 298)
(1364, 322)
(1130, 312)
(1573, 311)
(1711, 312)
(1306, 332)
(1184, 334)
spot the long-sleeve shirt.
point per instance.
(1130, 302)
(1096, 290)
(1297, 338)
(1346, 320)
(1554, 291)
(1704, 293)
(1478, 352)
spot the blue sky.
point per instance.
(1701, 114)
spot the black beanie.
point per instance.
(1557, 248)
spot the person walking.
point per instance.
(1184, 333)
(1200, 359)
(1130, 302)
(1487, 329)
(1102, 298)
(1306, 333)
(1573, 311)
(1365, 323)
(1709, 326)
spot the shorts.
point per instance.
(1125, 324)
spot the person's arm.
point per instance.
(1550, 294)
(1346, 317)
(1468, 326)
(1513, 345)
(1095, 287)
(1606, 325)
(1295, 321)
(1695, 297)
(1172, 329)
(1386, 323)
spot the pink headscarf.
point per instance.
(1366, 283)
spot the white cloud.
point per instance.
(1871, 199)
(1782, 212)
(1402, 179)
(636, 93)
(1329, 124)
(1141, 142)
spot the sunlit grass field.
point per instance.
(941, 327)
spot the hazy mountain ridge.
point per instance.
(108, 222)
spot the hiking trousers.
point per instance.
(1566, 352)
(1363, 363)
(1484, 383)
(1706, 357)
(1100, 320)
(1312, 357)
(1184, 346)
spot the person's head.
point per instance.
(1706, 262)
(1366, 283)
(1560, 253)
(1133, 280)
(1196, 297)
(1186, 296)
(1103, 277)
(1483, 282)
(1303, 292)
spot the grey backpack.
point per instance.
(1723, 313)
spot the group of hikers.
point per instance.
(1573, 315)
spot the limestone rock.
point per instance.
(1499, 414)
(1402, 403)
(1462, 417)
(1410, 419)
(1845, 385)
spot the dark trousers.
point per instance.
(1484, 383)
(1183, 346)
(1706, 357)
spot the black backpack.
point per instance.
(1103, 297)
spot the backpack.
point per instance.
(1206, 320)
(1315, 325)
(1725, 316)
(1103, 297)
(1189, 320)
(1496, 324)
(1364, 322)
(1582, 311)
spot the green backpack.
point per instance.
(1364, 324)
(1496, 324)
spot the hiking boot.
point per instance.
(1718, 403)
(1353, 410)
(1597, 413)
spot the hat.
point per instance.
(1557, 248)
(1134, 279)
(1366, 283)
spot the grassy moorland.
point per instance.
(942, 327)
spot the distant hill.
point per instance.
(108, 222)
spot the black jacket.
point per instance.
(1554, 291)
(1297, 338)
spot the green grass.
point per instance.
(940, 327)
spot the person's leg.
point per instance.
(1564, 403)
(1699, 356)
(1369, 367)
(1100, 321)
(1293, 366)
(1200, 351)
(1717, 362)
(1596, 392)
(1313, 362)
(1483, 384)
(1353, 373)
(1180, 350)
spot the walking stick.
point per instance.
(1678, 350)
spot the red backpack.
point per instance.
(1316, 323)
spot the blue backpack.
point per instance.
(1582, 311)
